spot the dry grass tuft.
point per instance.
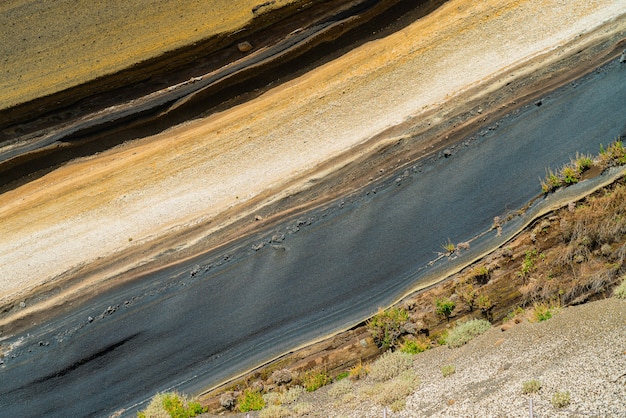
(390, 365)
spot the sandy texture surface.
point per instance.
(52, 45)
(581, 350)
(189, 174)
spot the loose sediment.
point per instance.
(211, 172)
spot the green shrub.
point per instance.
(467, 294)
(359, 371)
(531, 386)
(542, 312)
(387, 326)
(528, 264)
(171, 404)
(449, 247)
(414, 346)
(448, 370)
(613, 155)
(390, 365)
(620, 291)
(551, 182)
(560, 399)
(583, 162)
(444, 307)
(513, 314)
(251, 400)
(341, 376)
(570, 174)
(466, 331)
(315, 379)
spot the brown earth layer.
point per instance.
(413, 140)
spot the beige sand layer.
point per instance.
(191, 173)
(48, 46)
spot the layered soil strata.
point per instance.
(179, 190)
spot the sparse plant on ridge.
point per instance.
(414, 346)
(448, 370)
(444, 307)
(390, 365)
(449, 247)
(171, 404)
(531, 386)
(312, 380)
(560, 399)
(464, 332)
(251, 400)
(620, 291)
(387, 326)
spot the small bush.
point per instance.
(551, 182)
(359, 371)
(542, 312)
(513, 314)
(467, 294)
(251, 400)
(272, 398)
(528, 264)
(449, 247)
(341, 376)
(315, 379)
(570, 175)
(302, 408)
(583, 162)
(620, 291)
(531, 386)
(396, 389)
(171, 404)
(338, 389)
(448, 370)
(560, 399)
(414, 346)
(390, 365)
(444, 307)
(387, 326)
(274, 411)
(466, 331)
(613, 155)
(292, 395)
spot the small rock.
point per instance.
(228, 400)
(538, 103)
(622, 59)
(258, 217)
(90, 319)
(244, 46)
(506, 366)
(447, 152)
(22, 304)
(281, 377)
(506, 327)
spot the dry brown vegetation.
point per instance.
(570, 256)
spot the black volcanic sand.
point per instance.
(202, 321)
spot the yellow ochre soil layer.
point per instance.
(48, 46)
(134, 194)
